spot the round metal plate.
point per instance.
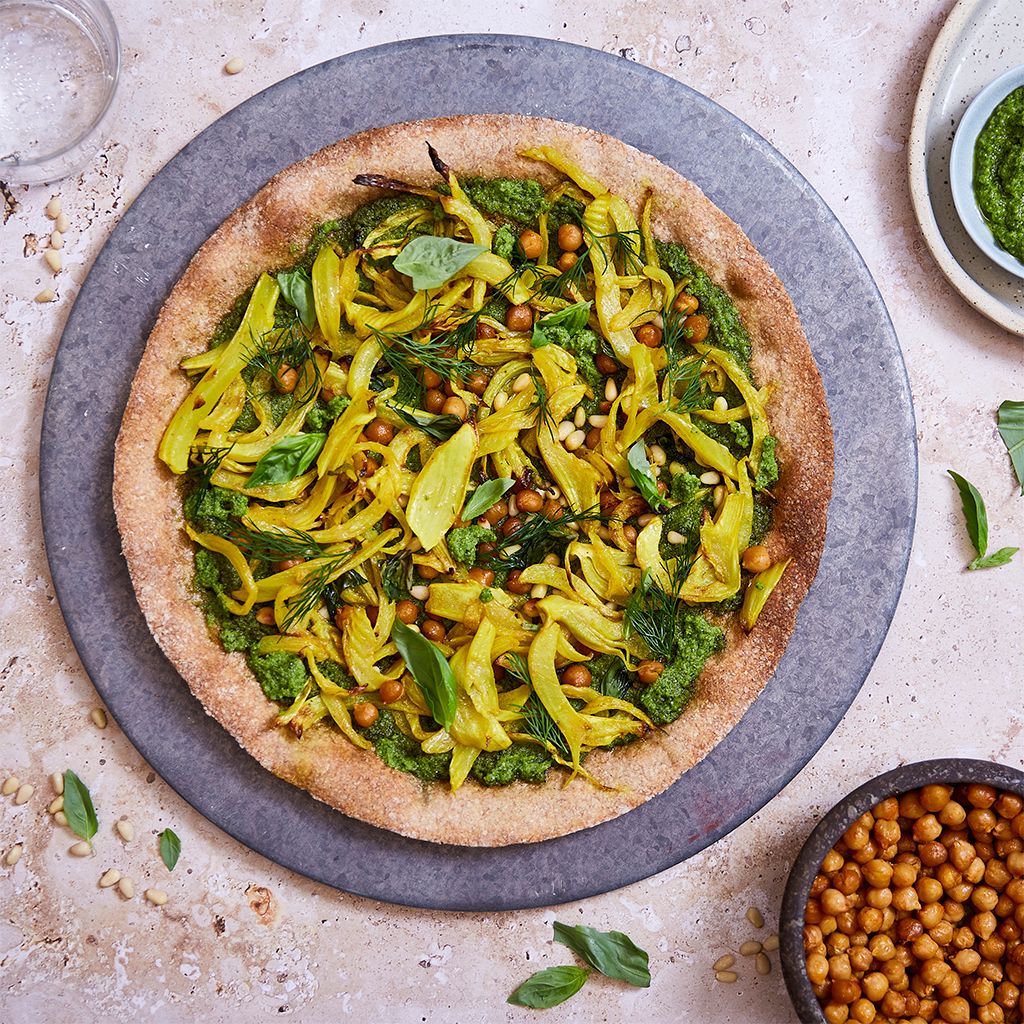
(842, 622)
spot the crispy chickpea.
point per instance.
(942, 933)
(496, 512)
(427, 572)
(696, 328)
(856, 836)
(903, 875)
(860, 958)
(265, 615)
(980, 795)
(927, 828)
(286, 380)
(981, 821)
(893, 1003)
(630, 533)
(379, 431)
(484, 331)
(455, 406)
(930, 915)
(552, 509)
(905, 899)
(433, 400)
(836, 1013)
(686, 304)
(566, 261)
(430, 379)
(812, 936)
(933, 971)
(365, 714)
(756, 558)
(984, 924)
(649, 335)
(887, 832)
(529, 501)
(887, 810)
(817, 969)
(514, 585)
(870, 919)
(863, 1011)
(477, 382)
(875, 985)
(519, 318)
(648, 672)
(531, 245)
(1008, 805)
(407, 611)
(929, 890)
(288, 563)
(390, 691)
(570, 237)
(606, 365)
(935, 797)
(576, 675)
(848, 880)
(955, 1011)
(882, 948)
(949, 986)
(908, 929)
(485, 577)
(932, 854)
(880, 898)
(996, 874)
(530, 609)
(510, 526)
(845, 990)
(433, 630)
(953, 814)
(837, 943)
(984, 897)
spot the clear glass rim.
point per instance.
(99, 10)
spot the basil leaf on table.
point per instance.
(614, 954)
(643, 476)
(1000, 557)
(484, 497)
(573, 318)
(289, 458)
(430, 669)
(170, 848)
(78, 808)
(1010, 421)
(431, 260)
(297, 289)
(549, 987)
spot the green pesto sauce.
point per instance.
(999, 173)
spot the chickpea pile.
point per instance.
(917, 913)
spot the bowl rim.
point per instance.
(961, 166)
(949, 770)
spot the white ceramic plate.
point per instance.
(980, 41)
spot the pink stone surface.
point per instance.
(832, 86)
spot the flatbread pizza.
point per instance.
(473, 475)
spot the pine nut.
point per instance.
(611, 390)
(60, 818)
(414, 627)
(605, 534)
(676, 467)
(125, 829)
(726, 977)
(81, 849)
(14, 854)
(597, 420)
(710, 478)
(762, 964)
(56, 804)
(234, 65)
(53, 260)
(46, 295)
(719, 495)
(63, 223)
(721, 404)
(421, 591)
(110, 877)
(581, 416)
(24, 794)
(675, 537)
(565, 428)
(771, 943)
(54, 208)
(500, 401)
(56, 240)
(575, 440)
(552, 559)
(11, 785)
(156, 896)
(521, 383)
(99, 718)
(57, 782)
(539, 590)
(645, 520)
(126, 887)
(658, 456)
(755, 917)
(723, 963)
(750, 948)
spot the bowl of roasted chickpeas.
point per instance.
(906, 903)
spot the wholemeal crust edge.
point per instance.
(260, 236)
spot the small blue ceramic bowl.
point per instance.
(961, 167)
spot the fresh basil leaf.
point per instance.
(430, 669)
(1010, 421)
(297, 289)
(78, 808)
(431, 260)
(289, 458)
(170, 848)
(1000, 557)
(643, 476)
(485, 497)
(438, 427)
(573, 318)
(549, 987)
(974, 513)
(614, 954)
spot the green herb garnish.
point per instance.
(539, 536)
(643, 476)
(276, 545)
(486, 496)
(573, 318)
(614, 954)
(650, 616)
(287, 348)
(433, 260)
(976, 519)
(438, 427)
(289, 458)
(549, 987)
(297, 290)
(78, 808)
(170, 848)
(430, 669)
(1010, 420)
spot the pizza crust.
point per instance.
(259, 236)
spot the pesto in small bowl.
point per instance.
(999, 172)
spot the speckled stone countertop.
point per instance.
(240, 939)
